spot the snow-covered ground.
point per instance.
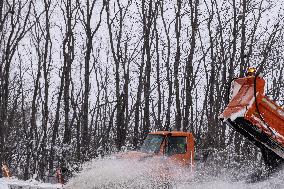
(117, 173)
(7, 183)
(3, 184)
(127, 174)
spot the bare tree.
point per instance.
(190, 78)
(13, 29)
(87, 13)
(168, 68)
(178, 117)
(68, 55)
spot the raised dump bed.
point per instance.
(256, 117)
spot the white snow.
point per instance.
(3, 184)
(112, 173)
(236, 89)
(30, 184)
(240, 113)
(265, 127)
(248, 97)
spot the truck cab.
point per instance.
(176, 146)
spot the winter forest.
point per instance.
(85, 78)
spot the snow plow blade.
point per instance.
(256, 117)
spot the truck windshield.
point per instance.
(152, 143)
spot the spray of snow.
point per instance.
(119, 173)
(115, 173)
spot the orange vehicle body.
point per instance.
(183, 159)
(256, 117)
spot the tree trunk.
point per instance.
(178, 116)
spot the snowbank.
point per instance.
(30, 184)
(3, 184)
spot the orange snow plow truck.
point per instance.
(177, 146)
(256, 117)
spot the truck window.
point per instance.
(152, 143)
(176, 145)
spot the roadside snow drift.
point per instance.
(13, 183)
(3, 184)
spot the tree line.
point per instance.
(80, 79)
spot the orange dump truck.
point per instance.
(177, 146)
(256, 117)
